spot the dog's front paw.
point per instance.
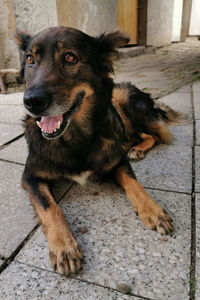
(157, 220)
(65, 256)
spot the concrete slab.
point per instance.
(13, 99)
(9, 132)
(196, 87)
(16, 151)
(5, 108)
(197, 169)
(13, 115)
(21, 282)
(166, 167)
(1, 262)
(182, 135)
(117, 247)
(17, 217)
(185, 89)
(196, 97)
(197, 132)
(59, 189)
(197, 246)
(180, 102)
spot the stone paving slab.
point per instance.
(197, 132)
(197, 169)
(197, 246)
(13, 115)
(196, 97)
(1, 262)
(185, 89)
(9, 132)
(16, 151)
(166, 167)
(163, 72)
(4, 108)
(116, 245)
(17, 217)
(182, 135)
(21, 282)
(11, 99)
(180, 102)
(196, 87)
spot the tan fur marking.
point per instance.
(82, 87)
(82, 178)
(111, 165)
(139, 150)
(147, 144)
(107, 144)
(151, 213)
(84, 111)
(161, 131)
(48, 175)
(120, 97)
(64, 252)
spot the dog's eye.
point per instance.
(30, 59)
(70, 58)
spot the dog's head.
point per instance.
(62, 68)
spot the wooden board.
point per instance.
(127, 18)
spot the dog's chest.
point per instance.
(80, 178)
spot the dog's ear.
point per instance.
(22, 39)
(107, 44)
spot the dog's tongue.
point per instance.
(50, 124)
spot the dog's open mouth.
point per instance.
(54, 126)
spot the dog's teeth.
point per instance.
(38, 123)
(58, 125)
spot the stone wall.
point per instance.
(36, 15)
(159, 22)
(9, 55)
(91, 16)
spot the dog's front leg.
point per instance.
(151, 213)
(64, 252)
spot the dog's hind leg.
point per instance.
(152, 214)
(138, 151)
(64, 252)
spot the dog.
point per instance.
(79, 124)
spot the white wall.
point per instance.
(159, 22)
(177, 20)
(36, 15)
(195, 18)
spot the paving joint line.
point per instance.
(64, 193)
(11, 141)
(171, 191)
(82, 280)
(12, 162)
(10, 259)
(193, 210)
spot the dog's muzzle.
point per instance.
(53, 126)
(37, 99)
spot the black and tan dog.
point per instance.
(80, 124)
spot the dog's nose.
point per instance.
(37, 100)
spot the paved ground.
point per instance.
(117, 247)
(163, 71)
